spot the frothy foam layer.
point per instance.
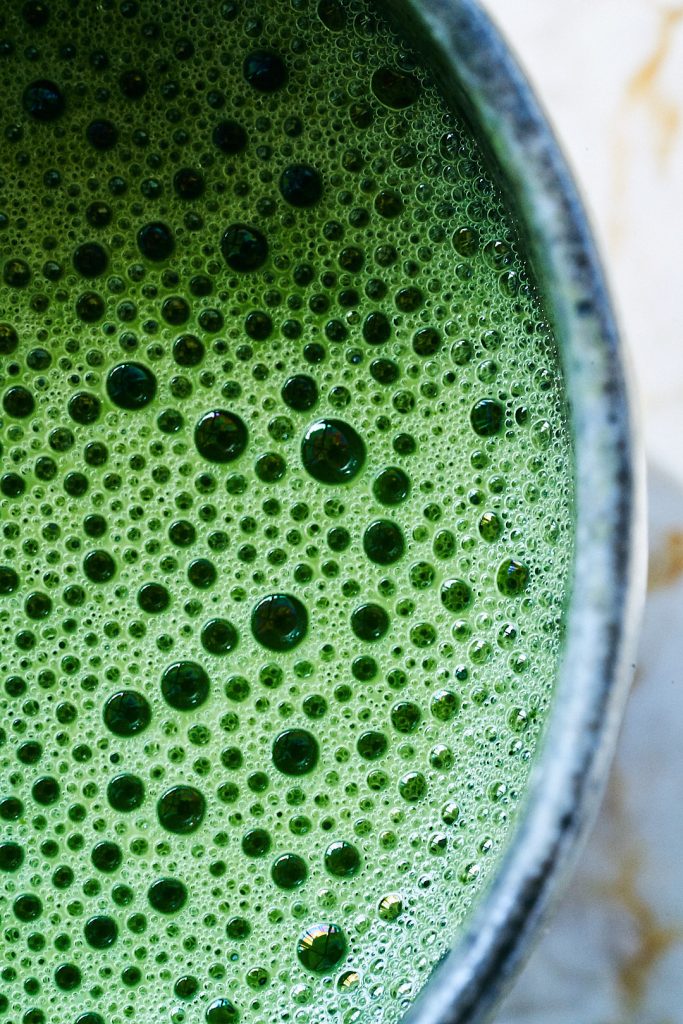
(285, 509)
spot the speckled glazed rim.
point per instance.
(477, 71)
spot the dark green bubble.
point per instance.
(218, 636)
(256, 842)
(67, 977)
(99, 566)
(487, 417)
(342, 859)
(153, 598)
(321, 948)
(167, 895)
(106, 856)
(131, 386)
(27, 907)
(101, 932)
(185, 685)
(289, 871)
(279, 622)
(295, 752)
(127, 713)
(383, 542)
(332, 452)
(371, 745)
(265, 70)
(369, 622)
(181, 809)
(220, 436)
(244, 248)
(391, 486)
(125, 792)
(405, 716)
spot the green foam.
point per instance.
(309, 823)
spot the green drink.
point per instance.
(286, 515)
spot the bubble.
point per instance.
(256, 842)
(265, 71)
(18, 402)
(376, 328)
(67, 977)
(295, 752)
(279, 622)
(405, 716)
(133, 84)
(487, 417)
(11, 856)
(412, 786)
(220, 436)
(332, 15)
(84, 408)
(9, 339)
(332, 452)
(35, 13)
(512, 577)
(301, 185)
(45, 791)
(426, 342)
(342, 859)
(167, 895)
(90, 259)
(102, 134)
(383, 542)
(127, 713)
(153, 598)
(218, 636)
(221, 1011)
(99, 566)
(156, 241)
(125, 792)
(188, 350)
(390, 907)
(300, 392)
(369, 622)
(395, 89)
(100, 932)
(188, 183)
(181, 809)
(43, 100)
(384, 371)
(186, 987)
(106, 856)
(372, 745)
(185, 685)
(229, 136)
(16, 273)
(321, 948)
(289, 871)
(456, 595)
(27, 907)
(244, 248)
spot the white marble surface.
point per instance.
(610, 73)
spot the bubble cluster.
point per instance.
(285, 514)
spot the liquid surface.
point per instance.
(285, 520)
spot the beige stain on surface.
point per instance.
(666, 562)
(651, 938)
(644, 86)
(644, 89)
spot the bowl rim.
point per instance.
(477, 70)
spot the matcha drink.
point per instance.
(285, 515)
